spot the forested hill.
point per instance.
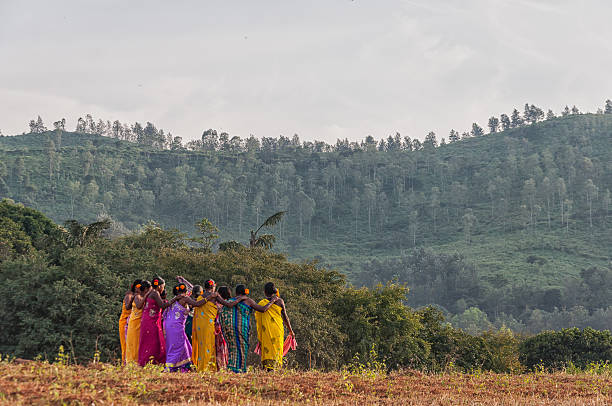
(508, 222)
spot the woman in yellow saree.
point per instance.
(133, 331)
(126, 310)
(204, 350)
(270, 329)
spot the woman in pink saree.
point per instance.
(152, 347)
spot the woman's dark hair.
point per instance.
(136, 282)
(209, 284)
(269, 289)
(144, 285)
(157, 281)
(163, 294)
(180, 288)
(240, 289)
(197, 290)
(225, 292)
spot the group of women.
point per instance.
(155, 330)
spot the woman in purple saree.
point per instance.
(178, 348)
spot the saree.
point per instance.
(271, 334)
(178, 349)
(220, 344)
(152, 345)
(132, 341)
(203, 337)
(123, 321)
(236, 328)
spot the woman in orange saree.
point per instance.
(126, 309)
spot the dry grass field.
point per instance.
(38, 383)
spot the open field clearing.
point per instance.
(103, 384)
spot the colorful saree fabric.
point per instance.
(204, 350)
(236, 328)
(132, 341)
(270, 333)
(123, 320)
(178, 349)
(152, 344)
(221, 345)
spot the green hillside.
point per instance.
(515, 223)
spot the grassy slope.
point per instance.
(43, 383)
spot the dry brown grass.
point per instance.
(103, 384)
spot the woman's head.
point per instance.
(136, 282)
(210, 285)
(270, 289)
(179, 289)
(144, 286)
(158, 284)
(197, 290)
(225, 292)
(241, 290)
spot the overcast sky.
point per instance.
(324, 69)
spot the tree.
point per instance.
(469, 221)
(550, 115)
(591, 191)
(80, 127)
(505, 122)
(37, 127)
(529, 193)
(477, 130)
(606, 201)
(608, 107)
(535, 114)
(430, 140)
(515, 119)
(493, 125)
(209, 234)
(453, 136)
(266, 240)
(575, 110)
(80, 235)
(435, 204)
(566, 111)
(547, 191)
(414, 226)
(60, 124)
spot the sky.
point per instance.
(324, 69)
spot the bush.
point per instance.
(556, 349)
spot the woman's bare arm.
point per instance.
(139, 301)
(230, 303)
(161, 303)
(284, 314)
(128, 299)
(257, 307)
(194, 303)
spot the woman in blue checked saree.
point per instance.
(236, 326)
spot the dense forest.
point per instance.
(508, 227)
(63, 286)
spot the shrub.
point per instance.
(556, 349)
